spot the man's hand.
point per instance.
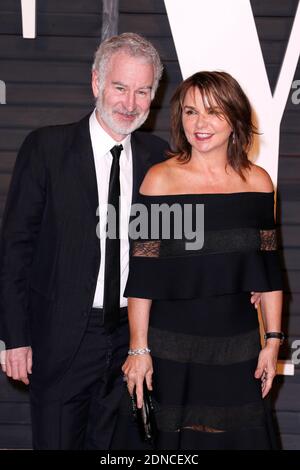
(17, 363)
(256, 298)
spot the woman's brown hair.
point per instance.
(222, 90)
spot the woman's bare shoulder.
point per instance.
(259, 179)
(157, 179)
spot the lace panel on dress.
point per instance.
(148, 249)
(216, 418)
(215, 241)
(201, 428)
(185, 348)
(268, 240)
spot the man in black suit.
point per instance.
(63, 317)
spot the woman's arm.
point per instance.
(271, 307)
(139, 367)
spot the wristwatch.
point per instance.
(275, 334)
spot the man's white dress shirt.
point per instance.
(102, 143)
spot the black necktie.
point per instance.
(111, 299)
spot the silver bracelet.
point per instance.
(136, 352)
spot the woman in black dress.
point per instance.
(191, 308)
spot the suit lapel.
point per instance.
(84, 163)
(140, 163)
(85, 171)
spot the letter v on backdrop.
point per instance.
(221, 35)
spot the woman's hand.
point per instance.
(136, 369)
(256, 298)
(266, 366)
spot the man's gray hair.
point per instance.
(133, 44)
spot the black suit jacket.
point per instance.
(50, 252)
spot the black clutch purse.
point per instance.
(145, 416)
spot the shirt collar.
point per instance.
(103, 142)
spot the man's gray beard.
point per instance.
(116, 128)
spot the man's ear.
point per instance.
(95, 83)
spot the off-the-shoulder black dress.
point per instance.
(203, 330)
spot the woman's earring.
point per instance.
(233, 138)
